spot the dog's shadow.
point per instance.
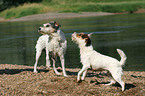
(89, 74)
(102, 74)
(17, 71)
(71, 73)
(127, 85)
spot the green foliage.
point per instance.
(21, 11)
(86, 1)
(4, 4)
(45, 6)
(28, 11)
(114, 8)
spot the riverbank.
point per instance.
(71, 6)
(53, 15)
(20, 80)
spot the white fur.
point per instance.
(91, 58)
(54, 43)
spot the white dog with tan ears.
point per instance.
(54, 42)
(92, 59)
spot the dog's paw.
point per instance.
(35, 71)
(83, 78)
(65, 75)
(79, 81)
(58, 73)
(48, 65)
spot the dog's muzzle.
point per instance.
(39, 30)
(73, 36)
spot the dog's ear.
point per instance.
(90, 34)
(57, 24)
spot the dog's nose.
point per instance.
(39, 28)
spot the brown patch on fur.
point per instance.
(80, 35)
(86, 37)
(57, 24)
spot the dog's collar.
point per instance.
(51, 35)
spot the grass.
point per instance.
(26, 9)
(45, 6)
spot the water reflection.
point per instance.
(127, 32)
(116, 27)
(105, 32)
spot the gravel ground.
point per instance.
(19, 80)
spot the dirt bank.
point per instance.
(20, 80)
(60, 15)
(55, 15)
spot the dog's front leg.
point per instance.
(38, 53)
(54, 68)
(84, 69)
(84, 75)
(47, 58)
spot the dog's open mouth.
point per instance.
(41, 32)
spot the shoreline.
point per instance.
(54, 15)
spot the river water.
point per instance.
(126, 32)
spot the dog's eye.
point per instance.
(47, 25)
(80, 34)
(83, 37)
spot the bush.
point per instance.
(26, 9)
(5, 4)
(113, 6)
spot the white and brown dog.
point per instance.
(91, 58)
(54, 42)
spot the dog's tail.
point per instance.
(123, 57)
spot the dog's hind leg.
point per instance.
(38, 53)
(112, 80)
(47, 59)
(121, 83)
(117, 77)
(54, 68)
(63, 65)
